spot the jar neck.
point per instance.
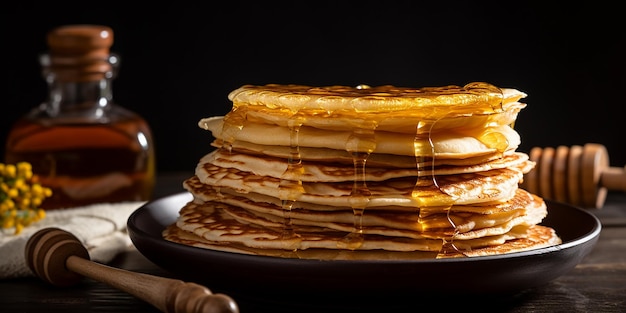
(78, 87)
(76, 95)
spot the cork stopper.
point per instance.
(80, 52)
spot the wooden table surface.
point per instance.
(597, 284)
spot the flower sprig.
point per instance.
(21, 196)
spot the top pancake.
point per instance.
(471, 99)
(384, 108)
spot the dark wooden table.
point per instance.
(597, 284)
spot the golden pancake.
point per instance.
(428, 102)
(536, 237)
(203, 193)
(214, 222)
(486, 140)
(326, 155)
(398, 122)
(335, 172)
(465, 188)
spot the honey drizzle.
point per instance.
(425, 166)
(290, 187)
(426, 155)
(234, 122)
(360, 144)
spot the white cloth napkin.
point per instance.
(100, 227)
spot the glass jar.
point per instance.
(81, 144)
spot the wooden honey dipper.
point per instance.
(59, 258)
(578, 175)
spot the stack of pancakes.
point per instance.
(364, 173)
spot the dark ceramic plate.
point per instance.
(284, 280)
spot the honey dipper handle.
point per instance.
(168, 295)
(614, 178)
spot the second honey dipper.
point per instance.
(578, 175)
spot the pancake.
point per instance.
(537, 237)
(338, 102)
(398, 121)
(316, 172)
(214, 222)
(464, 188)
(457, 145)
(364, 172)
(326, 155)
(203, 192)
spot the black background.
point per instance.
(180, 61)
